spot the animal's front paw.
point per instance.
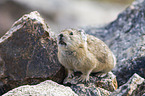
(70, 74)
(84, 78)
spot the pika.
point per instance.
(78, 51)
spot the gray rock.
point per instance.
(107, 82)
(140, 90)
(97, 85)
(131, 87)
(28, 54)
(91, 90)
(46, 88)
(125, 37)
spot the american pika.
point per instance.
(78, 51)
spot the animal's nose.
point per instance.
(61, 35)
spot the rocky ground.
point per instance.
(125, 37)
(28, 55)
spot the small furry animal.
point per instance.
(78, 51)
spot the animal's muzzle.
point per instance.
(61, 41)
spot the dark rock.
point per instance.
(126, 38)
(9, 14)
(140, 90)
(134, 87)
(28, 54)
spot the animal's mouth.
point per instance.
(62, 42)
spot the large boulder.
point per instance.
(125, 37)
(28, 54)
(46, 88)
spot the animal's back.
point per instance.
(101, 51)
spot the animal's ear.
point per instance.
(83, 34)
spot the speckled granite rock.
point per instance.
(28, 54)
(131, 88)
(97, 86)
(46, 88)
(126, 38)
(91, 90)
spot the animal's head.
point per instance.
(72, 39)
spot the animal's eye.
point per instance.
(71, 33)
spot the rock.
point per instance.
(125, 37)
(91, 90)
(107, 82)
(97, 86)
(9, 14)
(131, 87)
(46, 88)
(28, 54)
(140, 90)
